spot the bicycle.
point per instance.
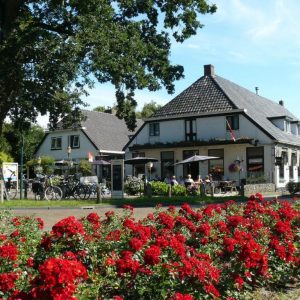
(43, 188)
(75, 189)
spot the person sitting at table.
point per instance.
(173, 180)
(207, 184)
(188, 181)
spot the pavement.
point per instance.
(52, 215)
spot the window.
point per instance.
(56, 143)
(255, 161)
(233, 122)
(167, 164)
(216, 166)
(293, 164)
(154, 129)
(74, 141)
(190, 130)
(284, 160)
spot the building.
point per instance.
(99, 136)
(256, 139)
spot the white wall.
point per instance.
(76, 154)
(207, 128)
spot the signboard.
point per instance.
(10, 171)
(117, 178)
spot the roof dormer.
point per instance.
(282, 122)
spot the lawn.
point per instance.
(136, 202)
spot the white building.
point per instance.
(101, 135)
(203, 120)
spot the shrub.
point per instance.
(293, 187)
(214, 252)
(159, 188)
(85, 167)
(133, 186)
(178, 190)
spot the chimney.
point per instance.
(209, 70)
(281, 102)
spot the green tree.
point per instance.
(50, 48)
(99, 108)
(13, 137)
(149, 109)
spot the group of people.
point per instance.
(202, 184)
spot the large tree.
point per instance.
(49, 50)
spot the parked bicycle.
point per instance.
(44, 188)
(71, 187)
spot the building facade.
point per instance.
(255, 139)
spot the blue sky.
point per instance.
(250, 42)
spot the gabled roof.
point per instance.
(212, 93)
(106, 131)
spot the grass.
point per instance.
(136, 202)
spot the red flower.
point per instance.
(239, 281)
(211, 289)
(7, 281)
(179, 296)
(234, 221)
(136, 244)
(9, 251)
(229, 244)
(204, 228)
(40, 223)
(151, 255)
(94, 219)
(58, 279)
(114, 235)
(68, 227)
(166, 220)
(126, 264)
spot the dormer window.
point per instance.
(287, 126)
(282, 122)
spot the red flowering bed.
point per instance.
(215, 252)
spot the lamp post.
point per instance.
(21, 166)
(69, 150)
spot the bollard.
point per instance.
(169, 190)
(99, 195)
(1, 191)
(149, 190)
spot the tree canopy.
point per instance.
(51, 49)
(148, 110)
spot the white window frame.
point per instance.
(54, 143)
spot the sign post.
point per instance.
(117, 178)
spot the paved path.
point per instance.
(53, 215)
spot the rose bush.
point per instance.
(215, 252)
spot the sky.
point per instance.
(252, 43)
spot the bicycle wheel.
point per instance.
(82, 192)
(12, 191)
(53, 193)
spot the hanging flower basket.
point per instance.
(234, 167)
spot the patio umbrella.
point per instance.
(196, 158)
(139, 160)
(101, 162)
